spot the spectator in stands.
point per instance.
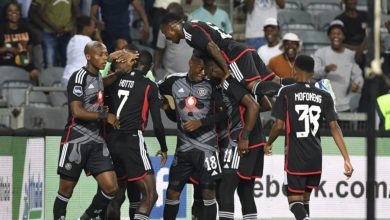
(257, 12)
(167, 53)
(283, 64)
(273, 46)
(85, 29)
(159, 10)
(115, 20)
(337, 63)
(355, 23)
(15, 42)
(57, 18)
(211, 13)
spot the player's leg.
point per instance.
(69, 174)
(113, 211)
(306, 200)
(226, 189)
(134, 196)
(197, 205)
(295, 189)
(209, 208)
(245, 193)
(312, 182)
(65, 191)
(147, 186)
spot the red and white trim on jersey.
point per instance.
(145, 107)
(80, 76)
(257, 145)
(68, 132)
(143, 152)
(203, 30)
(242, 176)
(63, 155)
(136, 178)
(193, 180)
(268, 76)
(295, 190)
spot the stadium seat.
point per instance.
(324, 18)
(50, 75)
(314, 7)
(313, 40)
(14, 91)
(49, 118)
(57, 99)
(12, 73)
(362, 5)
(39, 99)
(295, 20)
(292, 5)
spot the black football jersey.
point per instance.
(302, 106)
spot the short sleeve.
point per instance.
(161, 40)
(279, 109)
(197, 35)
(234, 89)
(329, 110)
(75, 88)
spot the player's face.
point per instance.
(336, 37)
(290, 48)
(271, 33)
(196, 72)
(213, 71)
(98, 57)
(170, 33)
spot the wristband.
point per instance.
(102, 115)
(245, 134)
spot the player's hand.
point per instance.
(268, 149)
(192, 125)
(164, 157)
(111, 118)
(121, 56)
(330, 67)
(243, 147)
(348, 169)
(354, 87)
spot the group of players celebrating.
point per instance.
(220, 140)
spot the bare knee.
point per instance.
(172, 194)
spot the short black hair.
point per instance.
(171, 18)
(82, 22)
(305, 63)
(131, 47)
(145, 57)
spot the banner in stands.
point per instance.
(22, 172)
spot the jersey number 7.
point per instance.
(125, 94)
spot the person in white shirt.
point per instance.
(257, 12)
(273, 46)
(75, 58)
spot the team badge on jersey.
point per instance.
(78, 91)
(202, 92)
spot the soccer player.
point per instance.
(302, 106)
(196, 150)
(245, 64)
(242, 156)
(82, 146)
(132, 96)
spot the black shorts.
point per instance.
(248, 67)
(194, 163)
(129, 154)
(298, 184)
(93, 157)
(249, 166)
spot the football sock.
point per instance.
(298, 210)
(59, 209)
(132, 208)
(99, 202)
(209, 209)
(306, 205)
(171, 208)
(245, 191)
(141, 216)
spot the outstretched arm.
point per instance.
(338, 138)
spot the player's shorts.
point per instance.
(297, 184)
(249, 166)
(129, 154)
(206, 168)
(248, 66)
(93, 157)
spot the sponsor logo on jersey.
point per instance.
(78, 91)
(191, 102)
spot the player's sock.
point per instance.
(226, 210)
(59, 209)
(99, 202)
(298, 210)
(171, 208)
(225, 215)
(268, 88)
(209, 209)
(196, 209)
(306, 205)
(132, 208)
(141, 216)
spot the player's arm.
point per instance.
(158, 126)
(273, 135)
(214, 52)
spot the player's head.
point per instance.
(171, 27)
(145, 61)
(125, 66)
(176, 8)
(196, 72)
(85, 25)
(336, 34)
(213, 70)
(96, 54)
(303, 68)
